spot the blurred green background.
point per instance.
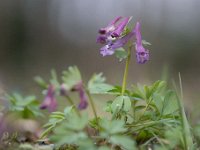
(36, 36)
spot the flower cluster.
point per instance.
(50, 101)
(114, 36)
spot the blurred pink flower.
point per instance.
(50, 101)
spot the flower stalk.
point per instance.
(124, 83)
(72, 103)
(92, 104)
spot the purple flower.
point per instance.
(120, 28)
(142, 54)
(111, 26)
(110, 48)
(101, 39)
(105, 33)
(64, 89)
(49, 102)
(112, 36)
(83, 98)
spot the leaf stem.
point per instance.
(92, 103)
(147, 106)
(126, 70)
(72, 103)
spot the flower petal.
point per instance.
(110, 27)
(107, 50)
(120, 28)
(142, 54)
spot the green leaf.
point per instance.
(116, 90)
(41, 82)
(24, 107)
(188, 141)
(97, 85)
(86, 144)
(170, 104)
(76, 122)
(67, 110)
(123, 141)
(71, 76)
(45, 132)
(157, 87)
(139, 93)
(54, 79)
(121, 53)
(158, 100)
(67, 137)
(174, 136)
(108, 108)
(55, 119)
(121, 103)
(112, 126)
(104, 148)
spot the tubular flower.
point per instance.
(110, 48)
(64, 89)
(120, 28)
(105, 33)
(111, 26)
(112, 36)
(83, 98)
(142, 54)
(49, 102)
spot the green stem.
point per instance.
(134, 112)
(72, 103)
(92, 104)
(147, 106)
(126, 71)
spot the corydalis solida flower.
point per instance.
(110, 48)
(114, 37)
(142, 54)
(110, 27)
(83, 98)
(49, 102)
(64, 90)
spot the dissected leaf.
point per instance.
(121, 103)
(170, 104)
(71, 76)
(112, 126)
(25, 107)
(54, 79)
(97, 85)
(76, 122)
(41, 82)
